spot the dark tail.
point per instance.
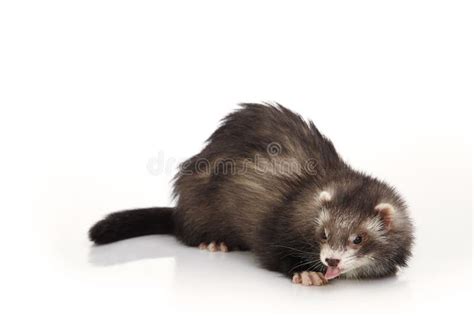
(132, 223)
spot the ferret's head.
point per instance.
(362, 230)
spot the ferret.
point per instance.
(269, 182)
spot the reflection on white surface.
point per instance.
(134, 249)
(201, 278)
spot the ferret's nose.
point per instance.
(332, 262)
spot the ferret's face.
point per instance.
(351, 240)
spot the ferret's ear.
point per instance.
(324, 196)
(386, 211)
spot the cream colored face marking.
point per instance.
(322, 218)
(348, 259)
(376, 228)
(374, 225)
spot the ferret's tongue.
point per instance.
(332, 272)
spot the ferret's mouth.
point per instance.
(332, 272)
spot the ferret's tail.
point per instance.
(132, 223)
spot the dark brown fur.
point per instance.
(254, 186)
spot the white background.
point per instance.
(101, 99)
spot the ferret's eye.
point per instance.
(357, 240)
(323, 235)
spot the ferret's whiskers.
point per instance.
(305, 263)
(298, 250)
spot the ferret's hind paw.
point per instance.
(309, 278)
(214, 246)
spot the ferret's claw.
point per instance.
(309, 278)
(214, 246)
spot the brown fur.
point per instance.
(256, 185)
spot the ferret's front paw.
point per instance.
(309, 278)
(213, 246)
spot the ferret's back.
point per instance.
(257, 157)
